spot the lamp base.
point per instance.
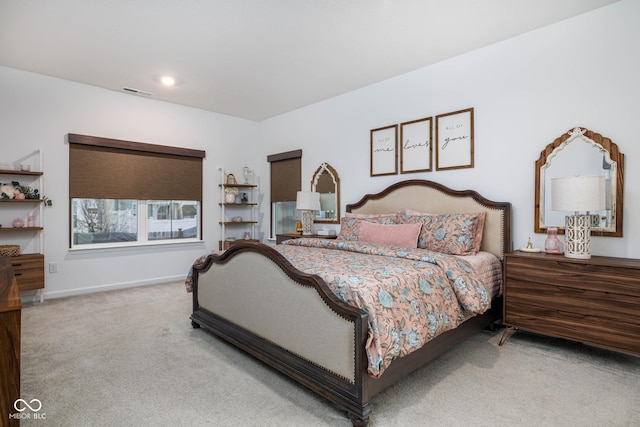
(578, 236)
(307, 222)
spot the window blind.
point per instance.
(103, 168)
(286, 175)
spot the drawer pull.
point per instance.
(17, 274)
(18, 264)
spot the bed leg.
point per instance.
(195, 325)
(359, 421)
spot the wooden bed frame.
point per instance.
(252, 297)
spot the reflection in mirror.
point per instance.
(326, 182)
(580, 152)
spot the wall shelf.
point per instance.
(234, 232)
(29, 265)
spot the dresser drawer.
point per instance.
(29, 271)
(594, 276)
(608, 305)
(589, 329)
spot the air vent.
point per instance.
(137, 91)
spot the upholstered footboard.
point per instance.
(252, 297)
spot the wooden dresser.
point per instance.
(10, 311)
(594, 301)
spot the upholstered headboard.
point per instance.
(431, 197)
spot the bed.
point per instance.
(299, 323)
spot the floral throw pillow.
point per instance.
(351, 224)
(456, 234)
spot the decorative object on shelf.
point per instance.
(247, 173)
(247, 235)
(578, 194)
(244, 198)
(231, 179)
(25, 167)
(308, 202)
(454, 139)
(553, 245)
(31, 219)
(7, 191)
(9, 250)
(18, 223)
(230, 194)
(236, 219)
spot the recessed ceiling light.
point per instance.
(168, 80)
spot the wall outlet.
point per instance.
(53, 267)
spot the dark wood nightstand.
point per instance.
(594, 301)
(287, 236)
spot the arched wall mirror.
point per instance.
(326, 182)
(580, 152)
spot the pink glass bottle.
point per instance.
(553, 245)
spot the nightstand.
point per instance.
(594, 301)
(287, 236)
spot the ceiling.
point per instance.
(255, 59)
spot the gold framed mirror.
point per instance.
(326, 182)
(580, 152)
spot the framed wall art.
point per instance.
(384, 151)
(416, 146)
(454, 140)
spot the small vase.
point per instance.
(553, 245)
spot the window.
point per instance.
(126, 193)
(285, 184)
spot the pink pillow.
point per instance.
(404, 235)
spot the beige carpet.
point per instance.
(131, 358)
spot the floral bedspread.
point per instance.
(411, 295)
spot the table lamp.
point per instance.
(308, 202)
(578, 194)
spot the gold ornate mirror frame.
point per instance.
(326, 182)
(612, 165)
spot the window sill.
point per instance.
(135, 245)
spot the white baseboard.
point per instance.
(35, 297)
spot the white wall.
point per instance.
(37, 112)
(525, 91)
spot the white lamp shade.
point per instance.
(578, 194)
(308, 201)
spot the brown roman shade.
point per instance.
(286, 175)
(102, 168)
